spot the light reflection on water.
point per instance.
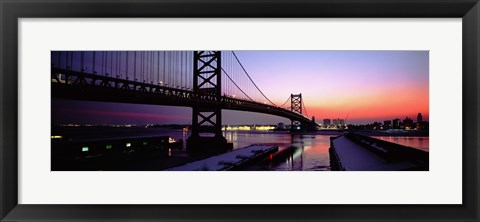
(309, 152)
(411, 141)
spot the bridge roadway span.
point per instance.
(67, 84)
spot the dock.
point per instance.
(229, 161)
(355, 152)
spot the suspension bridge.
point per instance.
(218, 80)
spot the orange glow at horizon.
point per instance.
(379, 104)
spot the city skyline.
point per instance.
(366, 86)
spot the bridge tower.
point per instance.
(207, 119)
(296, 106)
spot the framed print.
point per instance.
(121, 110)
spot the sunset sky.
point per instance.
(367, 86)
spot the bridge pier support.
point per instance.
(207, 119)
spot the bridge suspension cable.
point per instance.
(243, 68)
(304, 108)
(167, 68)
(223, 70)
(286, 102)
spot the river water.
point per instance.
(309, 152)
(411, 141)
(306, 152)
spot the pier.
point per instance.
(354, 152)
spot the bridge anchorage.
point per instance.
(207, 120)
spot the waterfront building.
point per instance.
(419, 118)
(408, 123)
(387, 124)
(338, 123)
(396, 124)
(326, 123)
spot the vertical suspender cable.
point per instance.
(169, 68)
(59, 57)
(164, 65)
(81, 62)
(158, 67)
(71, 60)
(135, 66)
(116, 64)
(174, 69)
(106, 63)
(149, 65)
(126, 65)
(72, 54)
(111, 63)
(103, 62)
(66, 62)
(93, 64)
(142, 62)
(152, 73)
(181, 69)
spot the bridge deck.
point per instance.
(91, 87)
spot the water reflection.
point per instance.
(421, 143)
(296, 152)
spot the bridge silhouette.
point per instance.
(207, 81)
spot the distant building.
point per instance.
(387, 124)
(338, 123)
(408, 123)
(327, 122)
(419, 118)
(313, 124)
(396, 124)
(423, 126)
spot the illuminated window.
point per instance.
(109, 146)
(128, 145)
(85, 149)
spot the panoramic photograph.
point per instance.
(245, 110)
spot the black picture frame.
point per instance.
(11, 11)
